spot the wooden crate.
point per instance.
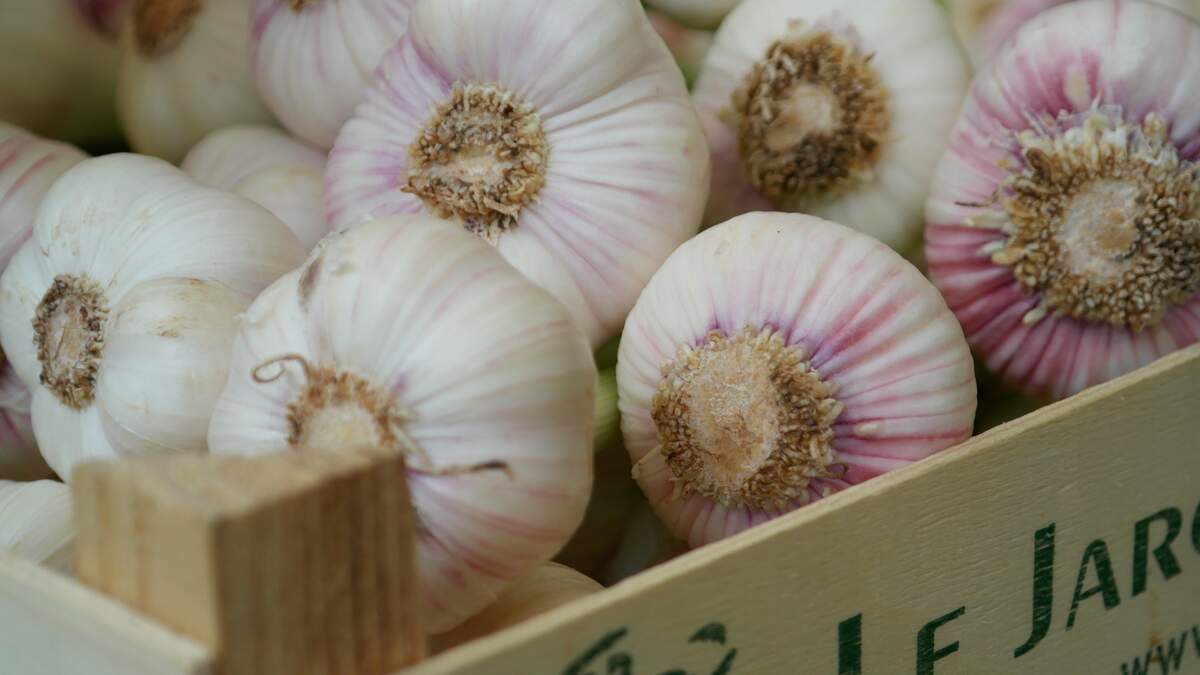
(1064, 543)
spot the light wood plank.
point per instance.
(273, 562)
(51, 625)
(931, 570)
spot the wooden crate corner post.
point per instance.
(281, 564)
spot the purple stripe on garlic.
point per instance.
(1062, 224)
(585, 172)
(313, 59)
(831, 108)
(118, 313)
(268, 167)
(777, 358)
(184, 72)
(411, 334)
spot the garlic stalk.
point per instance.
(411, 334)
(645, 543)
(57, 72)
(313, 59)
(777, 358)
(119, 312)
(35, 522)
(983, 25)
(613, 499)
(560, 132)
(28, 166)
(1062, 225)
(547, 587)
(269, 168)
(831, 108)
(184, 72)
(703, 14)
(687, 45)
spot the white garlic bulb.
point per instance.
(833, 108)
(412, 334)
(706, 14)
(313, 59)
(185, 71)
(120, 311)
(35, 522)
(559, 131)
(268, 167)
(28, 167)
(58, 69)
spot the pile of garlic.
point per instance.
(469, 232)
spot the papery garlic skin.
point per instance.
(57, 72)
(313, 60)
(36, 524)
(444, 352)
(608, 167)
(703, 14)
(777, 358)
(1101, 292)
(268, 167)
(120, 311)
(857, 143)
(184, 72)
(983, 25)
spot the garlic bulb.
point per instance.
(613, 499)
(57, 72)
(777, 358)
(184, 71)
(547, 587)
(269, 168)
(409, 333)
(705, 14)
(1062, 225)
(984, 25)
(644, 544)
(687, 45)
(560, 132)
(119, 312)
(35, 522)
(105, 16)
(28, 166)
(831, 108)
(314, 58)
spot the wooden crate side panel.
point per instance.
(1067, 542)
(51, 625)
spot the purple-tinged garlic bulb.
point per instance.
(702, 14)
(184, 72)
(57, 71)
(1063, 225)
(838, 109)
(411, 334)
(984, 25)
(313, 59)
(777, 358)
(268, 167)
(120, 310)
(561, 132)
(28, 166)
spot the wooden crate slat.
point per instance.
(52, 625)
(1067, 542)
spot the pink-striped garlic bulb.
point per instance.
(838, 109)
(313, 59)
(1063, 224)
(560, 132)
(184, 72)
(28, 166)
(410, 333)
(984, 25)
(703, 14)
(268, 167)
(777, 358)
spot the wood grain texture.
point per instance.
(51, 625)
(1088, 509)
(286, 564)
